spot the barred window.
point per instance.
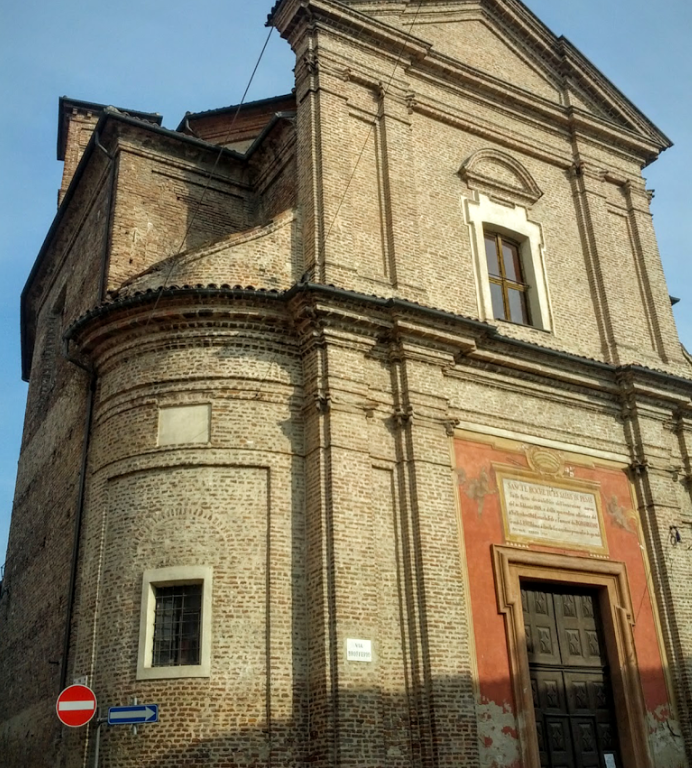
(177, 625)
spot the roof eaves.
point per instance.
(109, 113)
(232, 108)
(66, 104)
(176, 135)
(270, 15)
(279, 117)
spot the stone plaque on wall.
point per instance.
(556, 512)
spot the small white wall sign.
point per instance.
(359, 650)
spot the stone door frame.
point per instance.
(512, 566)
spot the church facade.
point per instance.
(359, 432)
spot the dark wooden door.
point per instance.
(570, 683)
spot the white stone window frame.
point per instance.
(167, 577)
(511, 221)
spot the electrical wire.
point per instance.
(201, 198)
(200, 201)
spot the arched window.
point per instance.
(507, 245)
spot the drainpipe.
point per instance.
(103, 279)
(79, 514)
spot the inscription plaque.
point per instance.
(554, 514)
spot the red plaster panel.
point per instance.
(483, 526)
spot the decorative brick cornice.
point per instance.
(294, 17)
(615, 120)
(435, 335)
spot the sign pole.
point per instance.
(97, 745)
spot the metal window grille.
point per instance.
(177, 625)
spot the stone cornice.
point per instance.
(456, 76)
(293, 17)
(555, 56)
(575, 64)
(310, 308)
(623, 124)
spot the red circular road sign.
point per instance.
(76, 705)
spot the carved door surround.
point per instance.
(513, 566)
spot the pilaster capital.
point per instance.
(403, 416)
(450, 426)
(592, 176)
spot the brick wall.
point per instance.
(324, 499)
(35, 589)
(236, 128)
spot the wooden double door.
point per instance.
(570, 681)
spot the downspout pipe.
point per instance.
(86, 440)
(103, 278)
(79, 514)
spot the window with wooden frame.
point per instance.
(511, 225)
(508, 288)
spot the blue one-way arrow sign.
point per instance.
(142, 713)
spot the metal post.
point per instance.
(97, 744)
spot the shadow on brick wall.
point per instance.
(440, 726)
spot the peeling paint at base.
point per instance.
(497, 732)
(665, 739)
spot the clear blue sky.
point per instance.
(174, 56)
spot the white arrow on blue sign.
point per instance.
(135, 715)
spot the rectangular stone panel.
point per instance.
(550, 511)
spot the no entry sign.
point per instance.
(76, 706)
